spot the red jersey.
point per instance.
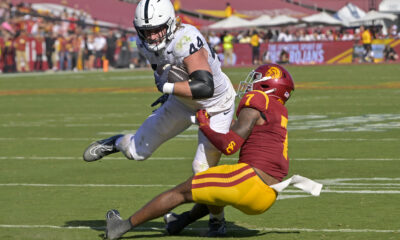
(266, 146)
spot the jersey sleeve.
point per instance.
(254, 99)
(188, 43)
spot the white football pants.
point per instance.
(172, 118)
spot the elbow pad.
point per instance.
(201, 84)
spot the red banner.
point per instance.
(308, 52)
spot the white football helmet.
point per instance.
(155, 16)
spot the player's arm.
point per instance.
(200, 84)
(230, 142)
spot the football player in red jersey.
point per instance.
(261, 134)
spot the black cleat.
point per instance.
(217, 228)
(175, 223)
(101, 148)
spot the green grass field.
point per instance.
(344, 131)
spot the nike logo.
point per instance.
(226, 112)
(169, 52)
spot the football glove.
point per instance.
(161, 79)
(161, 100)
(203, 118)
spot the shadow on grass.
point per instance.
(157, 229)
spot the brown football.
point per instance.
(176, 73)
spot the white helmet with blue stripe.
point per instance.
(155, 23)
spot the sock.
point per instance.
(219, 216)
(118, 141)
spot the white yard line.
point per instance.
(326, 190)
(188, 158)
(343, 230)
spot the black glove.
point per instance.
(161, 100)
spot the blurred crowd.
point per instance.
(32, 40)
(362, 37)
(39, 40)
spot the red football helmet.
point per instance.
(272, 79)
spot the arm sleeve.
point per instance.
(227, 143)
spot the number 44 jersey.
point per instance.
(188, 40)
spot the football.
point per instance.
(176, 73)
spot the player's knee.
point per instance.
(125, 145)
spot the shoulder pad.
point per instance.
(254, 99)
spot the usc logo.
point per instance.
(230, 147)
(274, 72)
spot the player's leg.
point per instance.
(207, 155)
(169, 120)
(165, 123)
(157, 207)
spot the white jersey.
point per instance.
(187, 41)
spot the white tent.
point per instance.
(390, 6)
(374, 15)
(57, 9)
(260, 21)
(322, 18)
(349, 13)
(282, 20)
(230, 22)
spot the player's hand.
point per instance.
(161, 79)
(161, 100)
(202, 117)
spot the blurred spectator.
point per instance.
(50, 40)
(111, 44)
(390, 54)
(133, 49)
(74, 50)
(177, 5)
(228, 48)
(284, 36)
(268, 36)
(393, 31)
(284, 56)
(366, 39)
(62, 51)
(39, 42)
(8, 56)
(255, 46)
(82, 20)
(99, 47)
(72, 20)
(214, 41)
(228, 10)
(124, 53)
(89, 52)
(21, 58)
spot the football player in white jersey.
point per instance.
(165, 41)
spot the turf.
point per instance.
(344, 128)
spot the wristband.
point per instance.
(168, 88)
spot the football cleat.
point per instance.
(101, 148)
(113, 220)
(175, 223)
(216, 228)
